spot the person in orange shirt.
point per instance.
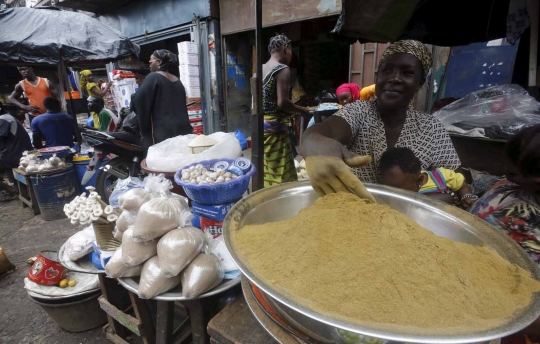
(36, 90)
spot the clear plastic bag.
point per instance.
(125, 220)
(116, 268)
(122, 186)
(217, 247)
(500, 110)
(157, 217)
(153, 281)
(174, 153)
(80, 244)
(178, 248)
(202, 274)
(133, 199)
(135, 253)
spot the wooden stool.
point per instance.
(236, 325)
(26, 191)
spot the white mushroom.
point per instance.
(108, 210)
(112, 218)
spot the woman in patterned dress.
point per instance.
(278, 110)
(512, 205)
(358, 135)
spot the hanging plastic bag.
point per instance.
(153, 281)
(135, 253)
(123, 185)
(116, 268)
(178, 248)
(500, 110)
(174, 153)
(80, 244)
(202, 274)
(157, 217)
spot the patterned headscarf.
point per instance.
(169, 60)
(415, 48)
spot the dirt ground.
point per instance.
(23, 235)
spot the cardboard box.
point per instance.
(197, 124)
(193, 92)
(194, 112)
(188, 59)
(213, 227)
(190, 81)
(196, 100)
(187, 48)
(187, 70)
(125, 91)
(212, 212)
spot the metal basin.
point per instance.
(284, 201)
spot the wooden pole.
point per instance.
(257, 119)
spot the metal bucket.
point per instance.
(74, 314)
(53, 191)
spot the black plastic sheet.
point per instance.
(48, 35)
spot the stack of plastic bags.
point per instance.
(160, 246)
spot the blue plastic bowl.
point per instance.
(215, 194)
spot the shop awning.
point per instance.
(442, 23)
(94, 6)
(49, 35)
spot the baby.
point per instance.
(399, 167)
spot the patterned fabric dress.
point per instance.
(515, 211)
(421, 133)
(278, 157)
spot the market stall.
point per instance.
(169, 260)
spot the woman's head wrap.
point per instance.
(353, 89)
(84, 74)
(169, 60)
(278, 41)
(415, 48)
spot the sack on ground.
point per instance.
(156, 217)
(135, 253)
(153, 281)
(133, 199)
(202, 274)
(178, 248)
(116, 268)
(80, 244)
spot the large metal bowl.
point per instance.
(284, 201)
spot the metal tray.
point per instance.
(284, 201)
(132, 284)
(83, 265)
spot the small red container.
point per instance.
(215, 228)
(46, 269)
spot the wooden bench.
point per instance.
(26, 191)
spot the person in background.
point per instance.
(54, 127)
(346, 148)
(278, 109)
(400, 168)
(88, 84)
(512, 205)
(14, 140)
(36, 90)
(160, 101)
(104, 120)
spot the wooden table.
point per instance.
(26, 191)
